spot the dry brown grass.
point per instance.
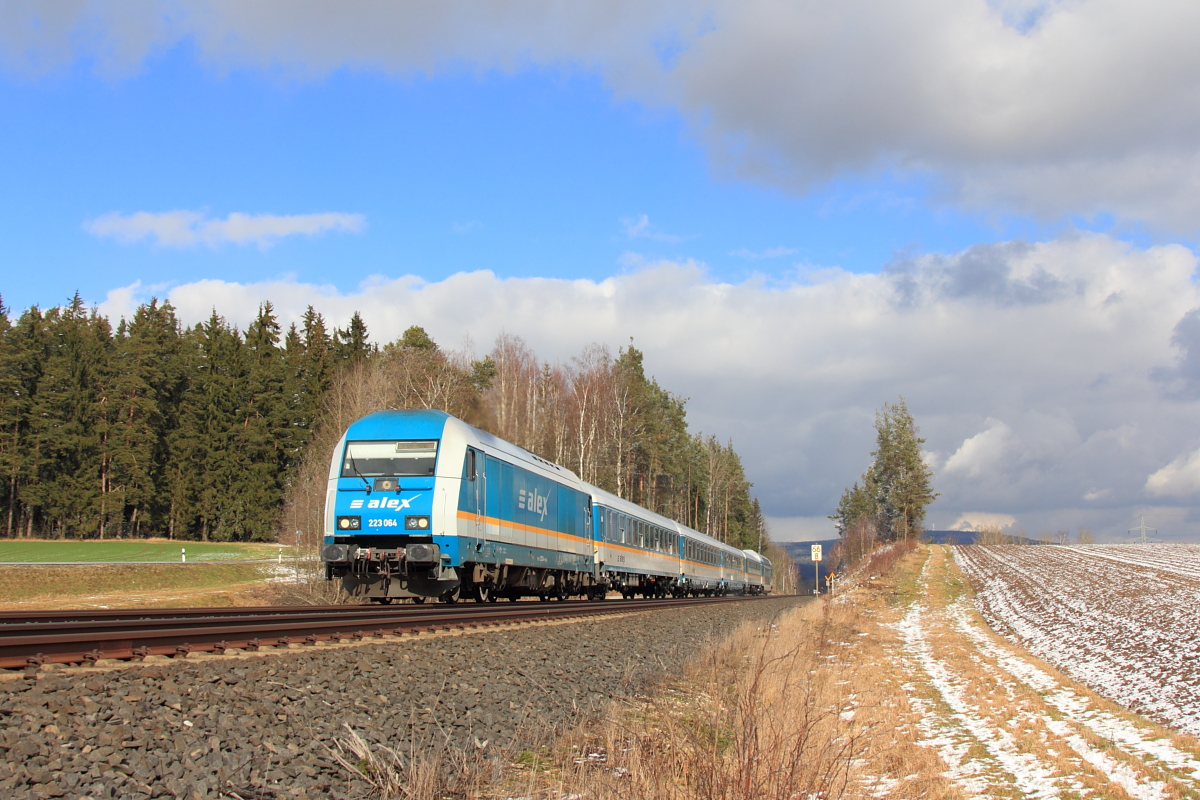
(168, 585)
(425, 771)
(133, 585)
(790, 707)
(306, 586)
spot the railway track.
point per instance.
(29, 640)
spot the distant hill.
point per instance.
(949, 537)
(965, 537)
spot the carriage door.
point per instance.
(477, 475)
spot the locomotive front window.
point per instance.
(389, 459)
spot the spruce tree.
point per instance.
(856, 503)
(205, 462)
(11, 417)
(351, 345)
(68, 424)
(316, 368)
(146, 386)
(897, 487)
(260, 439)
(29, 342)
(904, 482)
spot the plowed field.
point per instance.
(1122, 619)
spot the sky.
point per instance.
(799, 211)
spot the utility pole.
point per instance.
(1142, 528)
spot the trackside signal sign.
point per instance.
(816, 552)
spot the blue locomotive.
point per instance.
(422, 505)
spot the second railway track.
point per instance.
(76, 637)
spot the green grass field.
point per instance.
(130, 551)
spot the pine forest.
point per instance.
(154, 429)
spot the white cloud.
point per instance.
(978, 520)
(983, 452)
(639, 227)
(801, 529)
(191, 228)
(1030, 364)
(1029, 106)
(770, 252)
(1178, 479)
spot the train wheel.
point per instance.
(482, 594)
(452, 595)
(418, 600)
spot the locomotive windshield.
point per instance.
(389, 459)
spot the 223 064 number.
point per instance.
(382, 523)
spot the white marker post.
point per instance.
(816, 557)
(183, 555)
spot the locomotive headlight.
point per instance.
(416, 522)
(349, 523)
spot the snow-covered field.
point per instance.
(1001, 723)
(1122, 619)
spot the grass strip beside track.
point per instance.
(129, 551)
(33, 583)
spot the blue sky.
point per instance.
(539, 173)
(799, 210)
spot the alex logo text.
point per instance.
(532, 501)
(393, 503)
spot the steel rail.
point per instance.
(64, 637)
(98, 614)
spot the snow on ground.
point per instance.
(1004, 725)
(954, 723)
(1121, 619)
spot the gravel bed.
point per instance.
(261, 726)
